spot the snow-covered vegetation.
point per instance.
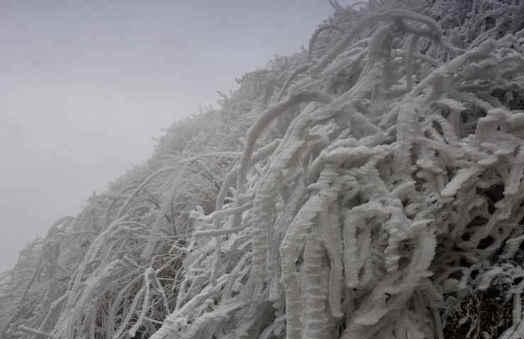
(367, 187)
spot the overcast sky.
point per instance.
(85, 85)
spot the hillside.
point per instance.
(369, 186)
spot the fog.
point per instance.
(85, 86)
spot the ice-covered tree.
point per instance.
(377, 193)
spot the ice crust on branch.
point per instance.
(369, 187)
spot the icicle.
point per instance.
(315, 320)
(410, 67)
(332, 237)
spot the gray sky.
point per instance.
(86, 84)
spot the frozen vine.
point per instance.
(377, 194)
